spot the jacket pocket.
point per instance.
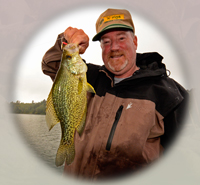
(112, 132)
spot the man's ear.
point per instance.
(135, 41)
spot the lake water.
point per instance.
(39, 139)
(44, 143)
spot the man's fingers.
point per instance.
(78, 36)
(69, 32)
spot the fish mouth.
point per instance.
(71, 48)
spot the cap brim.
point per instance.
(97, 37)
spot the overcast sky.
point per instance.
(32, 84)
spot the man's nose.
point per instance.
(114, 46)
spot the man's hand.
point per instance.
(78, 36)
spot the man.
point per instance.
(137, 108)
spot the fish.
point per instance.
(67, 102)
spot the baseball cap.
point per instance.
(113, 18)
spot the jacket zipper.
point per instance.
(117, 117)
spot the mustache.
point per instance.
(114, 54)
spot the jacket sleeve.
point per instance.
(51, 59)
(174, 121)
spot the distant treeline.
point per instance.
(28, 108)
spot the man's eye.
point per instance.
(121, 38)
(106, 42)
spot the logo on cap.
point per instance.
(111, 18)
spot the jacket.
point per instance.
(128, 124)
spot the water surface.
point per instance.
(42, 141)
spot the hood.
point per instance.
(150, 64)
(144, 60)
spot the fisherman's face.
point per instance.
(119, 52)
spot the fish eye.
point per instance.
(68, 57)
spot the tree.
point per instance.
(28, 108)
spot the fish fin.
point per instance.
(51, 117)
(80, 127)
(90, 88)
(65, 152)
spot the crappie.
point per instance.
(67, 102)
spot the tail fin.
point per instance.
(65, 152)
